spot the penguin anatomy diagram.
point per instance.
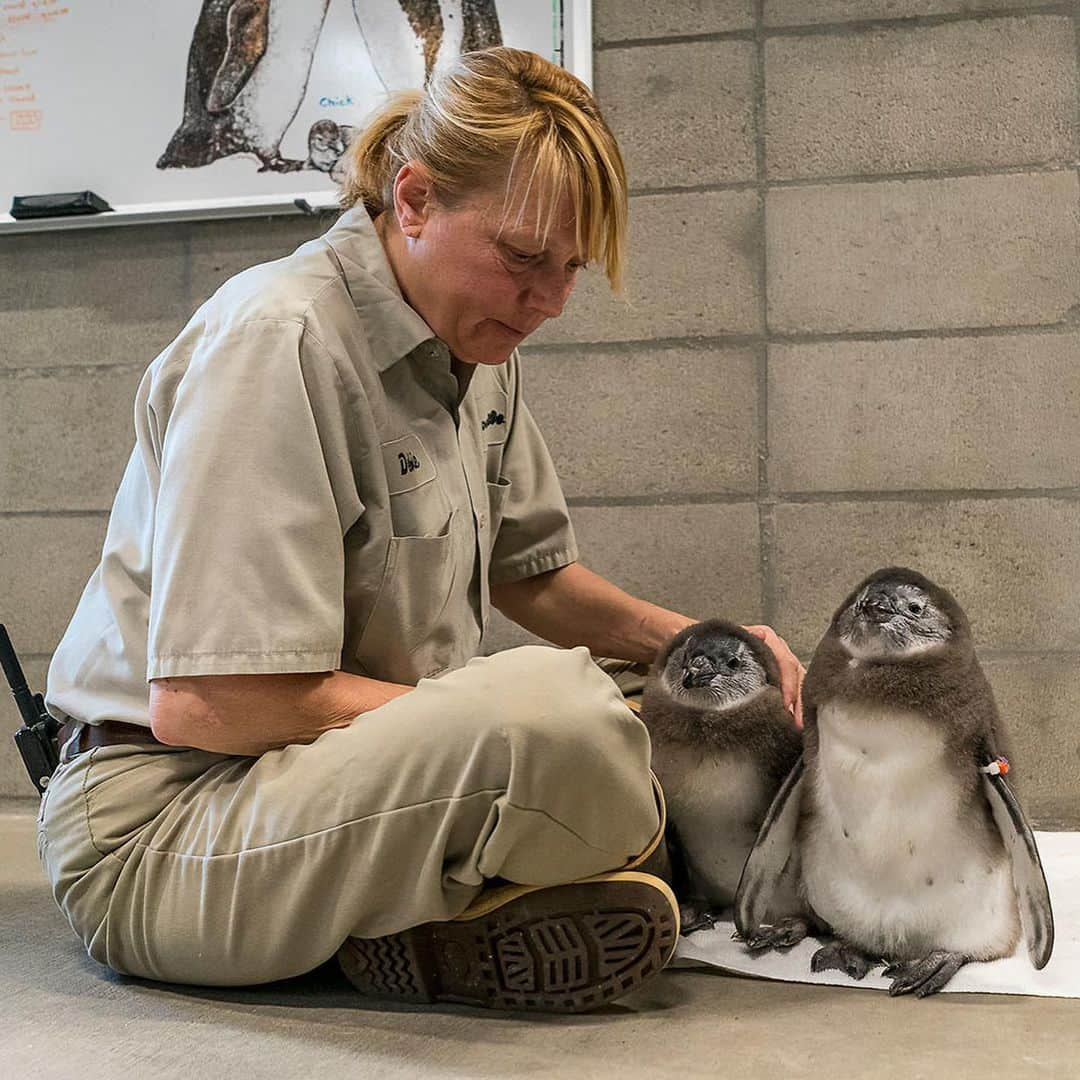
(250, 62)
(212, 107)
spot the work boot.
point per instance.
(558, 948)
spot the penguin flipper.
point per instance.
(248, 34)
(770, 856)
(1036, 914)
(680, 871)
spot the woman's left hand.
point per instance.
(791, 671)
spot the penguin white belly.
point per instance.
(717, 805)
(453, 19)
(890, 858)
(393, 43)
(265, 108)
(397, 39)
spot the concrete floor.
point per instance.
(63, 1015)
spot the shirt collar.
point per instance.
(394, 329)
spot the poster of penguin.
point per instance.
(158, 106)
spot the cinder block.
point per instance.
(799, 12)
(925, 413)
(83, 335)
(701, 560)
(14, 781)
(91, 296)
(1011, 563)
(1039, 699)
(683, 114)
(692, 270)
(619, 20)
(45, 563)
(64, 440)
(918, 254)
(646, 423)
(221, 249)
(991, 93)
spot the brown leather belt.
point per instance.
(107, 733)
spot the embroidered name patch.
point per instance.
(408, 464)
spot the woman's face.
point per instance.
(482, 283)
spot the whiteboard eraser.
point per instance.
(63, 204)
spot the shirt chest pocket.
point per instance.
(418, 505)
(497, 493)
(407, 635)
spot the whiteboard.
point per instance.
(111, 95)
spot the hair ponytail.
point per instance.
(374, 155)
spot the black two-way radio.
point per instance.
(36, 739)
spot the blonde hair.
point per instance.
(489, 118)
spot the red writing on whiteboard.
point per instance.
(25, 119)
(43, 16)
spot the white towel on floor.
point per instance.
(1060, 854)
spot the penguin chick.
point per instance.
(326, 144)
(722, 742)
(909, 847)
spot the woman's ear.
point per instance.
(414, 198)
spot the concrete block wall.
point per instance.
(850, 337)
(851, 332)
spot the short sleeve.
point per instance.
(254, 497)
(535, 533)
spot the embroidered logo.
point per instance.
(492, 417)
(408, 463)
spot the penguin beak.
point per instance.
(879, 612)
(876, 607)
(692, 677)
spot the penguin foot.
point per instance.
(843, 957)
(694, 917)
(280, 164)
(925, 976)
(783, 934)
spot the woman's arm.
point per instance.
(574, 606)
(250, 714)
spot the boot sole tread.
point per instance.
(568, 948)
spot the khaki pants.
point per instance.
(194, 867)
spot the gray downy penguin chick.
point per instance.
(906, 843)
(722, 743)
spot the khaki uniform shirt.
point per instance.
(310, 489)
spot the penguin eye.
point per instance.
(734, 664)
(915, 607)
